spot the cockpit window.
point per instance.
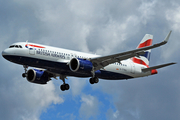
(11, 46)
(16, 46)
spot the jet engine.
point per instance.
(37, 76)
(80, 65)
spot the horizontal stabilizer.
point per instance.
(156, 67)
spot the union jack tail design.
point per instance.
(144, 59)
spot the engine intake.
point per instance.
(80, 65)
(37, 76)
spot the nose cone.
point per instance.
(10, 55)
(5, 53)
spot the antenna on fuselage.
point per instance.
(26, 45)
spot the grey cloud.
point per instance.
(149, 98)
(19, 22)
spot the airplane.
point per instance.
(52, 62)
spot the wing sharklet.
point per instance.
(167, 37)
(156, 67)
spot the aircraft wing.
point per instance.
(101, 62)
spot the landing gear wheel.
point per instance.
(91, 80)
(64, 87)
(94, 80)
(24, 75)
(67, 86)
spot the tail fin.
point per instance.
(144, 59)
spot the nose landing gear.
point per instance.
(25, 69)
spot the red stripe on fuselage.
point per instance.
(146, 43)
(34, 46)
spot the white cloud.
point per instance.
(116, 114)
(23, 100)
(89, 106)
(77, 85)
(173, 18)
(147, 10)
(115, 33)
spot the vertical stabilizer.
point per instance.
(144, 59)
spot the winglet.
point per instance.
(167, 37)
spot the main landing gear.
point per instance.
(64, 86)
(25, 69)
(94, 80)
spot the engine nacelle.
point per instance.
(80, 65)
(37, 76)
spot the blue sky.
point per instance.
(102, 27)
(70, 108)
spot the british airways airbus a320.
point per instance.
(52, 62)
